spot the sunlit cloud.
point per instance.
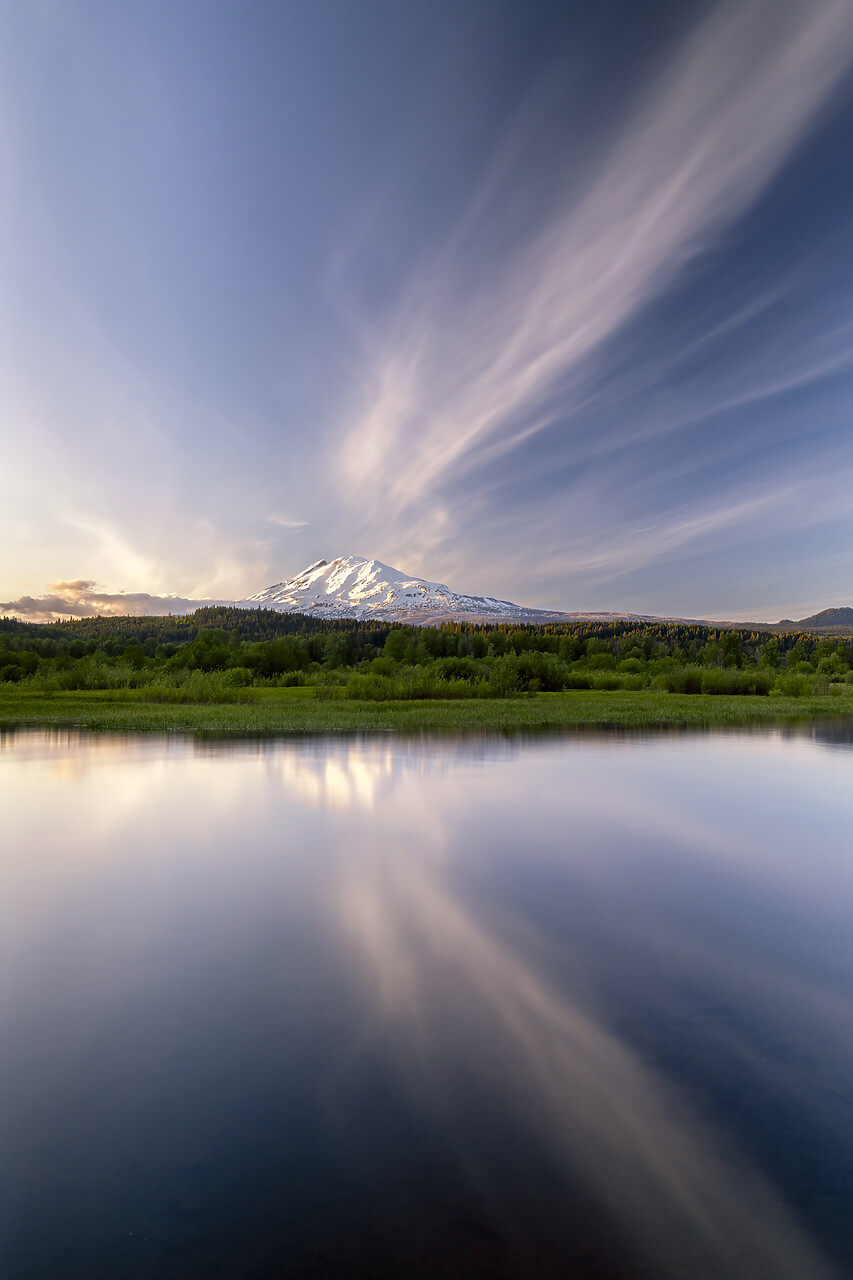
(83, 599)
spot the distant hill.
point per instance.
(840, 617)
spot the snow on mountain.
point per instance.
(352, 587)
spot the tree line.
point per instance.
(236, 649)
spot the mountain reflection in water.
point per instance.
(486, 1006)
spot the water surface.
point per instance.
(501, 1007)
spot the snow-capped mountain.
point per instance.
(352, 587)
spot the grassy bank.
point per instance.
(282, 710)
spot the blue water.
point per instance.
(503, 1007)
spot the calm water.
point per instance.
(440, 1008)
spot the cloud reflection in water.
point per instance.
(569, 955)
(458, 998)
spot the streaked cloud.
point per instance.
(458, 379)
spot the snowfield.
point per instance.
(352, 587)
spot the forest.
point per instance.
(221, 654)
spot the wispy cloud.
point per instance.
(293, 525)
(456, 379)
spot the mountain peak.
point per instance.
(353, 587)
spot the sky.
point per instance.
(547, 301)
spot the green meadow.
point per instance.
(298, 710)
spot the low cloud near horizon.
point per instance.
(82, 599)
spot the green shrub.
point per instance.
(239, 677)
(635, 682)
(456, 668)
(503, 678)
(792, 686)
(577, 680)
(200, 686)
(733, 680)
(601, 662)
(715, 680)
(684, 679)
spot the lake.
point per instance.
(567, 1006)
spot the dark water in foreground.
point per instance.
(573, 1007)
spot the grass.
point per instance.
(283, 710)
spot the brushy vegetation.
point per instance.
(182, 660)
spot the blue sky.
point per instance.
(545, 301)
